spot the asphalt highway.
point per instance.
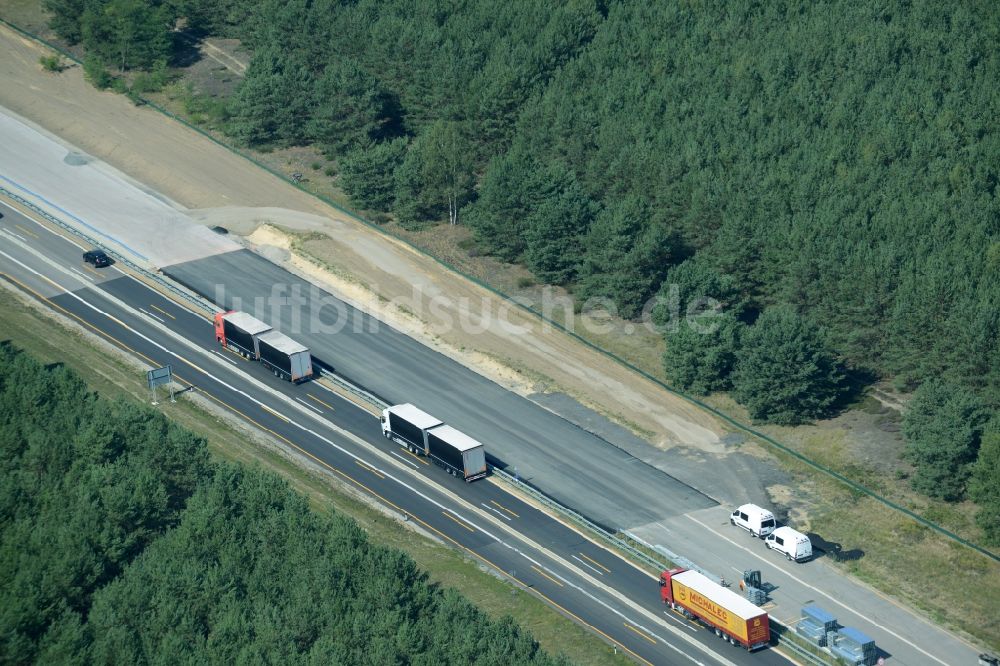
(577, 468)
(579, 578)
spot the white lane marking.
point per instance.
(225, 358)
(172, 302)
(308, 405)
(625, 618)
(65, 290)
(459, 516)
(150, 314)
(408, 462)
(147, 338)
(599, 573)
(73, 241)
(687, 625)
(12, 233)
(530, 559)
(487, 506)
(70, 240)
(276, 413)
(37, 223)
(354, 438)
(852, 609)
(82, 275)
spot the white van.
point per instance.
(755, 520)
(795, 545)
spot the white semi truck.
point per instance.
(422, 434)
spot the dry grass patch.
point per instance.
(953, 584)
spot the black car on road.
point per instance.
(97, 257)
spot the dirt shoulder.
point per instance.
(203, 176)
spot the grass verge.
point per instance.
(954, 586)
(113, 377)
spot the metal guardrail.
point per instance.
(784, 635)
(576, 518)
(357, 391)
(804, 654)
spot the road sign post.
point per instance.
(158, 377)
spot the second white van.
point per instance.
(755, 520)
(795, 545)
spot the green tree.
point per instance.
(273, 103)
(122, 540)
(64, 18)
(127, 34)
(348, 108)
(700, 358)
(942, 424)
(984, 486)
(784, 372)
(435, 178)
(86, 485)
(625, 255)
(555, 228)
(368, 174)
(222, 18)
(692, 283)
(512, 187)
(95, 72)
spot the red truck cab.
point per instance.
(220, 332)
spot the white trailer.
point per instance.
(422, 434)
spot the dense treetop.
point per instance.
(123, 543)
(836, 160)
(841, 158)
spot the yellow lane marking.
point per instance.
(501, 506)
(162, 311)
(595, 563)
(50, 281)
(369, 468)
(568, 613)
(311, 396)
(539, 571)
(280, 416)
(565, 611)
(457, 521)
(27, 231)
(98, 330)
(84, 322)
(88, 268)
(415, 457)
(641, 633)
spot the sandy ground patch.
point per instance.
(371, 269)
